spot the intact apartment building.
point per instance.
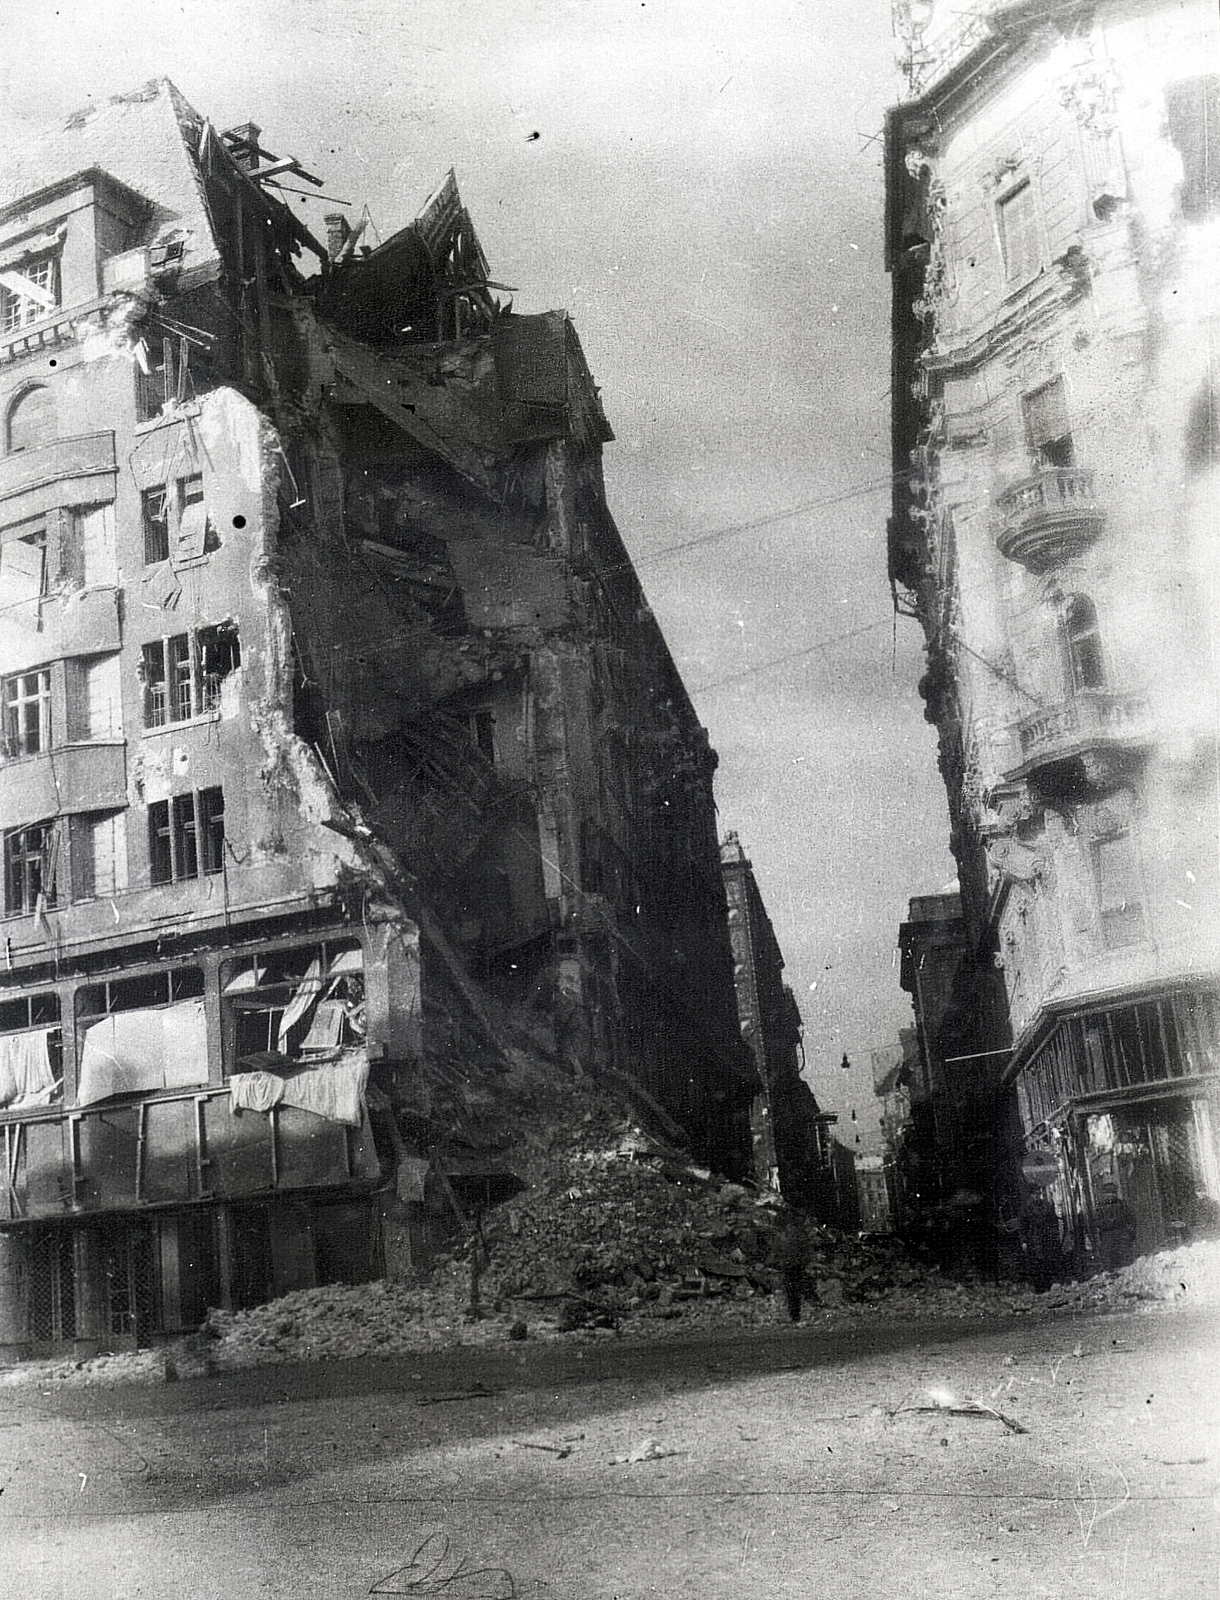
(344, 767)
(1053, 227)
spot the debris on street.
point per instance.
(615, 1234)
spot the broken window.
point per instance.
(31, 420)
(298, 1004)
(176, 830)
(141, 1033)
(23, 575)
(27, 713)
(1119, 895)
(1192, 111)
(99, 854)
(1084, 645)
(154, 509)
(31, 1051)
(1048, 431)
(192, 532)
(176, 523)
(218, 653)
(1020, 233)
(29, 867)
(163, 373)
(28, 291)
(183, 673)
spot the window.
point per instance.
(1020, 235)
(176, 521)
(1047, 429)
(31, 420)
(1192, 111)
(27, 713)
(483, 734)
(23, 575)
(184, 673)
(154, 508)
(1119, 896)
(1084, 645)
(186, 833)
(31, 1051)
(99, 854)
(28, 291)
(29, 867)
(293, 1003)
(138, 993)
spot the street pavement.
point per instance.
(1061, 1457)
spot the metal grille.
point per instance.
(129, 1273)
(52, 1302)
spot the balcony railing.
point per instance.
(1049, 517)
(1091, 719)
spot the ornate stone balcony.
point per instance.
(1095, 727)
(1049, 517)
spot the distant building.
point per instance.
(792, 1150)
(873, 1188)
(344, 767)
(1053, 206)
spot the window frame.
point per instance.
(154, 519)
(16, 699)
(186, 837)
(1086, 658)
(20, 311)
(1020, 266)
(180, 681)
(30, 869)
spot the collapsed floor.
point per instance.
(614, 1233)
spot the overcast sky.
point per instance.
(698, 183)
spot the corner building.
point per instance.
(343, 764)
(1053, 220)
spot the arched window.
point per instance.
(31, 420)
(1084, 645)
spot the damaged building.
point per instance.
(790, 1135)
(1053, 219)
(345, 769)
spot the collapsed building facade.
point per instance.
(1053, 217)
(791, 1136)
(342, 755)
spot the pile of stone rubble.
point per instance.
(614, 1234)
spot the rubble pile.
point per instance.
(615, 1232)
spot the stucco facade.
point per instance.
(1053, 223)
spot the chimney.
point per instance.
(337, 233)
(243, 145)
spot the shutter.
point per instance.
(102, 696)
(95, 528)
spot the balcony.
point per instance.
(1049, 518)
(63, 780)
(76, 462)
(1096, 729)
